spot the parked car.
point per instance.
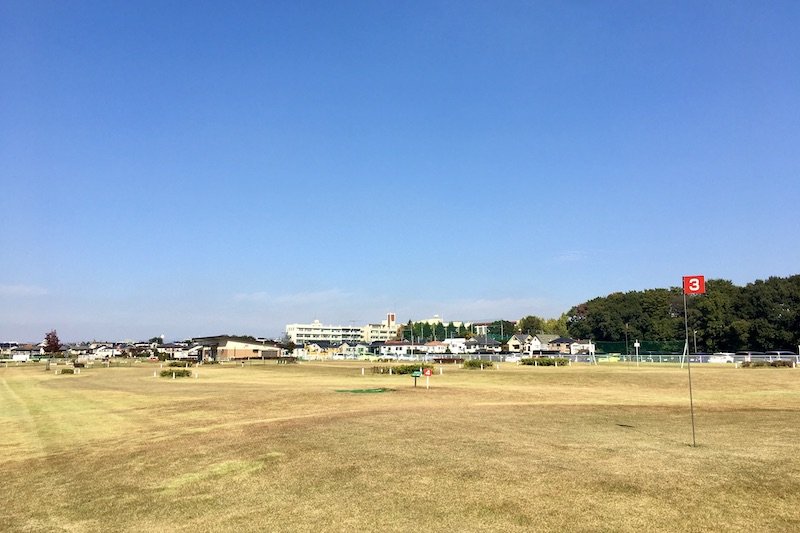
(721, 357)
(747, 356)
(513, 359)
(780, 354)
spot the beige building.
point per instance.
(385, 331)
(227, 348)
(302, 334)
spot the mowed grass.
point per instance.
(277, 448)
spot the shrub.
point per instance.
(545, 361)
(477, 363)
(67, 371)
(407, 369)
(181, 373)
(767, 364)
(182, 364)
(77, 364)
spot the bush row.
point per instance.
(407, 369)
(182, 364)
(765, 364)
(545, 361)
(181, 373)
(477, 363)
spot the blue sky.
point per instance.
(201, 168)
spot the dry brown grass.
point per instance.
(275, 448)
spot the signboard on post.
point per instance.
(694, 285)
(691, 285)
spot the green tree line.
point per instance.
(499, 330)
(763, 315)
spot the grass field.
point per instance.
(277, 448)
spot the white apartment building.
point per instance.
(316, 331)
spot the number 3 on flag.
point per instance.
(694, 285)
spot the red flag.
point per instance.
(694, 285)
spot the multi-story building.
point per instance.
(316, 331)
(385, 331)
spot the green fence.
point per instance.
(645, 347)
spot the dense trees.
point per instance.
(423, 331)
(763, 315)
(532, 325)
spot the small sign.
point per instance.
(415, 374)
(428, 372)
(694, 285)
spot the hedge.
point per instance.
(545, 361)
(765, 364)
(181, 373)
(477, 363)
(407, 369)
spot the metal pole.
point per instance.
(689, 365)
(627, 352)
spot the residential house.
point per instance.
(24, 352)
(397, 348)
(541, 342)
(354, 350)
(483, 344)
(6, 347)
(106, 351)
(457, 345)
(79, 350)
(172, 349)
(435, 347)
(519, 343)
(566, 345)
(562, 345)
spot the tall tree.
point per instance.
(531, 325)
(51, 342)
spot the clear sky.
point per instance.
(197, 168)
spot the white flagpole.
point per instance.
(688, 364)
